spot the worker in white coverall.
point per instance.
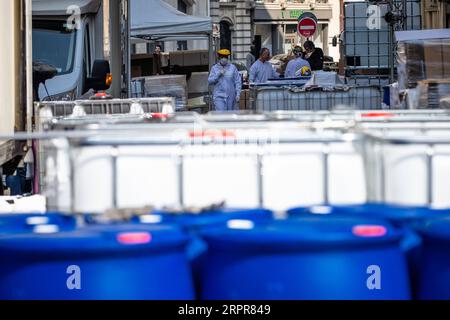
(262, 69)
(296, 67)
(227, 83)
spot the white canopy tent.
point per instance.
(157, 20)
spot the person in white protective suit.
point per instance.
(227, 83)
(295, 66)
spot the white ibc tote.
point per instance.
(277, 168)
(292, 159)
(268, 98)
(409, 168)
(406, 152)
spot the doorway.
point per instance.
(225, 35)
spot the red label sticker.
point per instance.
(212, 134)
(369, 231)
(131, 238)
(377, 114)
(160, 115)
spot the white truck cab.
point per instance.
(68, 35)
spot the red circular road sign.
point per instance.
(307, 27)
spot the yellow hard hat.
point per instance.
(224, 52)
(304, 71)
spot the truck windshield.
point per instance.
(53, 44)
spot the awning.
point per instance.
(157, 20)
(273, 15)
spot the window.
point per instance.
(53, 44)
(182, 6)
(182, 45)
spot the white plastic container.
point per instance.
(409, 169)
(277, 174)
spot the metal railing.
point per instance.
(363, 116)
(367, 144)
(323, 143)
(49, 114)
(107, 106)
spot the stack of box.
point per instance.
(421, 55)
(432, 93)
(244, 103)
(189, 58)
(423, 66)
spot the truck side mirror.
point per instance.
(101, 78)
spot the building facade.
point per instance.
(275, 22)
(267, 23)
(234, 21)
(200, 8)
(272, 24)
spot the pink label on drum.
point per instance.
(369, 231)
(131, 238)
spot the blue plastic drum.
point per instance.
(103, 262)
(335, 258)
(194, 223)
(434, 266)
(403, 217)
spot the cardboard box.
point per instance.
(431, 92)
(446, 58)
(415, 63)
(244, 101)
(136, 71)
(422, 54)
(434, 64)
(204, 58)
(189, 58)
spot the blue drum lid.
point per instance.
(436, 228)
(303, 233)
(96, 239)
(391, 212)
(12, 223)
(190, 220)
